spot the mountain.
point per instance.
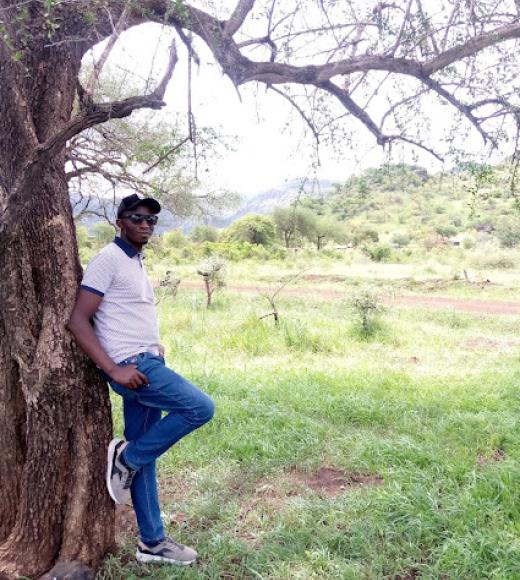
(265, 202)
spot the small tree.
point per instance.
(168, 286)
(272, 293)
(366, 307)
(291, 221)
(255, 229)
(325, 229)
(212, 272)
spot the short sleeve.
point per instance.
(99, 273)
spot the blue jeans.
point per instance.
(150, 435)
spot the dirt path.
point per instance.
(433, 302)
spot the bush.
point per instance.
(174, 239)
(378, 252)
(494, 260)
(201, 234)
(400, 240)
(367, 308)
(362, 233)
(507, 231)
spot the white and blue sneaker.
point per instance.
(167, 552)
(119, 476)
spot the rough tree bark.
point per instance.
(54, 411)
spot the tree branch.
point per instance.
(471, 47)
(345, 99)
(166, 155)
(242, 9)
(302, 113)
(94, 115)
(100, 63)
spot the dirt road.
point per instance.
(433, 302)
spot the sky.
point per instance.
(268, 137)
(269, 144)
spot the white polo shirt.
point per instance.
(126, 320)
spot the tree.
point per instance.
(326, 228)
(212, 271)
(293, 221)
(201, 234)
(174, 239)
(255, 229)
(54, 409)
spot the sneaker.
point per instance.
(167, 551)
(119, 477)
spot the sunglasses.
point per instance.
(137, 218)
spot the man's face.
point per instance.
(137, 233)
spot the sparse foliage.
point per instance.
(168, 286)
(212, 271)
(366, 306)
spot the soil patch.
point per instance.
(331, 481)
(495, 457)
(431, 302)
(483, 342)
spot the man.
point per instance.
(124, 343)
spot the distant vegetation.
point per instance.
(395, 213)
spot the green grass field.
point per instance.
(333, 455)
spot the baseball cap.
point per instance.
(131, 201)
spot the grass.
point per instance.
(426, 403)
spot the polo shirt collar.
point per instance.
(129, 250)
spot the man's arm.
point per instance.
(79, 324)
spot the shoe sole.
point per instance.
(110, 461)
(150, 559)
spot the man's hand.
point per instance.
(128, 376)
(161, 350)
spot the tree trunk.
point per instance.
(55, 419)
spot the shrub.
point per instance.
(212, 272)
(174, 239)
(400, 240)
(367, 308)
(378, 252)
(494, 260)
(507, 231)
(201, 234)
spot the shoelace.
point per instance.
(168, 540)
(128, 481)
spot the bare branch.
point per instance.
(464, 109)
(98, 66)
(242, 9)
(345, 99)
(472, 47)
(166, 155)
(188, 43)
(393, 138)
(307, 120)
(402, 29)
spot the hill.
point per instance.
(265, 202)
(94, 208)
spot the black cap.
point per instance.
(132, 201)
